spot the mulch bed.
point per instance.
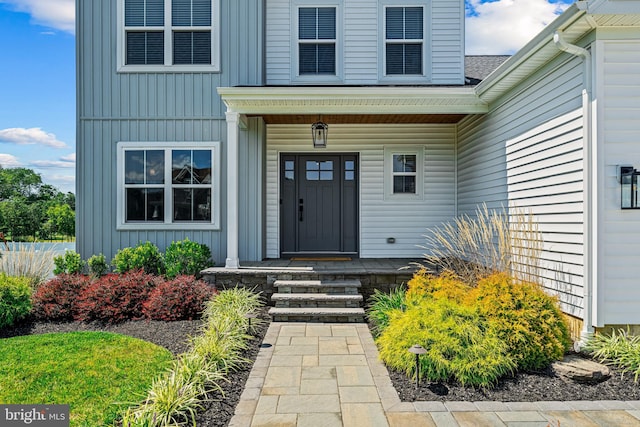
(523, 387)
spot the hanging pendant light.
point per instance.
(319, 132)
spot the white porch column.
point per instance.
(232, 260)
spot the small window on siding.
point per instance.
(168, 187)
(190, 31)
(317, 40)
(404, 40)
(404, 172)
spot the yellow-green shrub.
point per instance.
(15, 299)
(460, 344)
(527, 319)
(446, 285)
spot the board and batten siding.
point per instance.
(527, 153)
(618, 290)
(160, 106)
(362, 45)
(380, 217)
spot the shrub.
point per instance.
(527, 319)
(57, 299)
(460, 344)
(187, 257)
(144, 256)
(15, 299)
(182, 298)
(70, 263)
(98, 265)
(446, 285)
(381, 305)
(620, 349)
(116, 297)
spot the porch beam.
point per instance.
(233, 121)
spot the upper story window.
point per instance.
(181, 34)
(317, 40)
(404, 40)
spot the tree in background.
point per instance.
(31, 209)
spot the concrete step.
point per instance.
(317, 314)
(318, 286)
(317, 300)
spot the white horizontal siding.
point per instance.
(618, 293)
(528, 153)
(406, 221)
(362, 42)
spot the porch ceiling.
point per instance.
(338, 119)
(356, 101)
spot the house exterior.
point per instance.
(194, 120)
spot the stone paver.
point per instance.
(329, 375)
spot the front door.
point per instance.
(319, 200)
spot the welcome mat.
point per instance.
(324, 258)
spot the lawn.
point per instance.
(93, 372)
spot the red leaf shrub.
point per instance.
(116, 297)
(57, 299)
(182, 298)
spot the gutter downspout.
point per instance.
(590, 213)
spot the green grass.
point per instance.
(93, 372)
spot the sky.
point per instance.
(37, 73)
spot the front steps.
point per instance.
(317, 301)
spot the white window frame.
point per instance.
(123, 146)
(412, 150)
(296, 77)
(425, 77)
(168, 29)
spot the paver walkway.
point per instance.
(325, 375)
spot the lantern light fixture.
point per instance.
(319, 132)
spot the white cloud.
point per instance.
(69, 158)
(22, 136)
(58, 14)
(504, 26)
(9, 161)
(52, 164)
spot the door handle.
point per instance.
(301, 210)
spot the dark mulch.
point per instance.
(175, 337)
(523, 387)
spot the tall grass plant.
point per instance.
(37, 265)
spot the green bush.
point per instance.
(527, 319)
(446, 285)
(98, 265)
(144, 256)
(69, 263)
(460, 344)
(381, 305)
(187, 257)
(15, 299)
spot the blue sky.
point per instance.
(37, 73)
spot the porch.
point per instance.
(383, 274)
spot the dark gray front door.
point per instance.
(319, 203)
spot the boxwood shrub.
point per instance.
(15, 299)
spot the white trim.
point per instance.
(411, 150)
(296, 78)
(121, 41)
(233, 235)
(426, 43)
(214, 146)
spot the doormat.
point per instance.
(324, 258)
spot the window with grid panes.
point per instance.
(317, 40)
(184, 36)
(404, 40)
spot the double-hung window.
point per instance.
(404, 40)
(164, 185)
(404, 172)
(169, 33)
(317, 41)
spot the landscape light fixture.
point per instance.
(319, 132)
(417, 350)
